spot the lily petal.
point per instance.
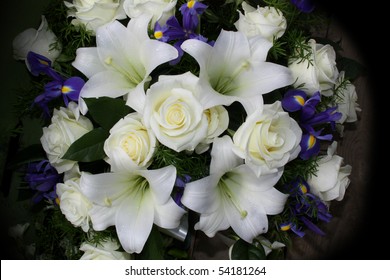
(168, 215)
(223, 158)
(201, 195)
(210, 224)
(87, 61)
(161, 182)
(134, 221)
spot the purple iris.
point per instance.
(191, 11)
(175, 32)
(42, 178)
(180, 184)
(305, 6)
(40, 64)
(296, 100)
(69, 88)
(304, 209)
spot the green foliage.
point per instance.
(107, 111)
(243, 250)
(56, 238)
(192, 164)
(299, 168)
(88, 147)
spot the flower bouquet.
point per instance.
(161, 118)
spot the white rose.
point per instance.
(268, 22)
(331, 179)
(218, 122)
(67, 125)
(346, 99)
(107, 250)
(161, 10)
(40, 41)
(95, 13)
(317, 73)
(74, 204)
(174, 112)
(130, 144)
(268, 139)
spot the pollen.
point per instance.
(66, 89)
(311, 141)
(43, 62)
(303, 188)
(191, 4)
(158, 34)
(285, 227)
(299, 99)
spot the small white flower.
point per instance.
(233, 196)
(174, 110)
(346, 100)
(66, 127)
(316, 73)
(40, 41)
(160, 9)
(331, 179)
(107, 250)
(267, 21)
(95, 13)
(73, 204)
(130, 144)
(268, 139)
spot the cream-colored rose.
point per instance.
(74, 204)
(346, 99)
(107, 250)
(174, 112)
(218, 122)
(95, 13)
(331, 180)
(67, 125)
(317, 73)
(160, 10)
(268, 139)
(130, 144)
(42, 41)
(268, 22)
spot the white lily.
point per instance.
(236, 70)
(232, 195)
(121, 63)
(132, 201)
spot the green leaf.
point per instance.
(243, 250)
(89, 147)
(107, 111)
(154, 248)
(31, 153)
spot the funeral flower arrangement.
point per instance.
(161, 118)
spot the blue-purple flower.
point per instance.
(42, 178)
(310, 119)
(69, 88)
(304, 209)
(305, 6)
(175, 32)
